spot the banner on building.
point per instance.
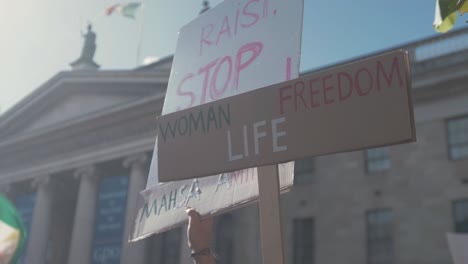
(110, 220)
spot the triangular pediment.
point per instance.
(69, 97)
(162, 65)
(75, 105)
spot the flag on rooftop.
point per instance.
(12, 232)
(127, 10)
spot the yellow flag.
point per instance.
(463, 6)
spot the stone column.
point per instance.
(135, 252)
(85, 214)
(5, 190)
(40, 226)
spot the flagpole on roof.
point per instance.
(140, 34)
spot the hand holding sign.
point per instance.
(199, 230)
(199, 233)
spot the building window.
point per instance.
(380, 237)
(303, 170)
(460, 209)
(303, 241)
(225, 239)
(377, 159)
(165, 247)
(458, 138)
(171, 246)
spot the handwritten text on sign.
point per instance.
(236, 47)
(163, 206)
(360, 105)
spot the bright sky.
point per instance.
(40, 38)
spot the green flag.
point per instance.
(12, 232)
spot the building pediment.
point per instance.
(74, 105)
(163, 65)
(71, 95)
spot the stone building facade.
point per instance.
(75, 154)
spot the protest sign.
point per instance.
(233, 48)
(238, 46)
(360, 105)
(164, 208)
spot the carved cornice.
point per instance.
(63, 80)
(98, 136)
(122, 112)
(76, 160)
(5, 189)
(43, 181)
(140, 159)
(441, 63)
(89, 172)
(439, 90)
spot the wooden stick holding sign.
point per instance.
(270, 215)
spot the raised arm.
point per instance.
(199, 238)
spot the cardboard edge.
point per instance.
(410, 94)
(139, 205)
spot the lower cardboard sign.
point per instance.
(358, 105)
(162, 207)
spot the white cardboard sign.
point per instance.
(236, 47)
(163, 207)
